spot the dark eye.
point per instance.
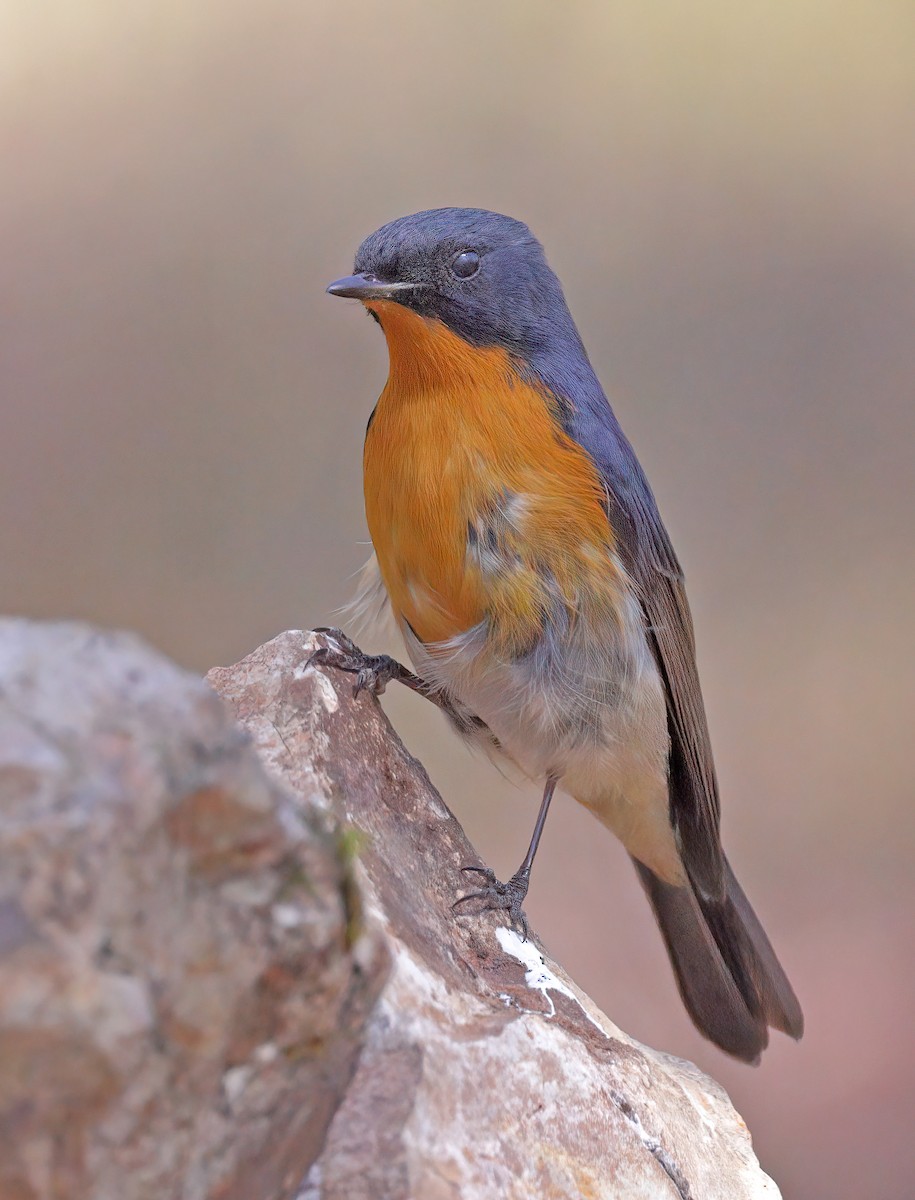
(465, 264)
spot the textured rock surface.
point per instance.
(183, 982)
(486, 1073)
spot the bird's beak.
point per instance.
(369, 287)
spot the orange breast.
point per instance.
(458, 435)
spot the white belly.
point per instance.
(586, 706)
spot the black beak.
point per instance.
(370, 287)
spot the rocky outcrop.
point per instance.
(228, 961)
(184, 975)
(485, 1072)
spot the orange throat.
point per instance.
(461, 448)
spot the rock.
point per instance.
(485, 1072)
(184, 973)
(193, 953)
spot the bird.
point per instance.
(541, 602)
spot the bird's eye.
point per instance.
(465, 264)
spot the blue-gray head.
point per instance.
(483, 274)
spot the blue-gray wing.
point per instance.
(649, 558)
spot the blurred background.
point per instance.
(728, 194)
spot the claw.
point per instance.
(497, 896)
(373, 671)
(369, 679)
(470, 896)
(344, 641)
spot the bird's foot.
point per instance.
(373, 671)
(495, 895)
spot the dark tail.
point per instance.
(732, 984)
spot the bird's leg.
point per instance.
(510, 895)
(373, 671)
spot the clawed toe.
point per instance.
(344, 641)
(372, 677)
(373, 671)
(496, 896)
(487, 872)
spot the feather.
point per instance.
(646, 551)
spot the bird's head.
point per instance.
(483, 275)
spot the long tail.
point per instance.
(732, 984)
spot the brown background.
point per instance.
(728, 193)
